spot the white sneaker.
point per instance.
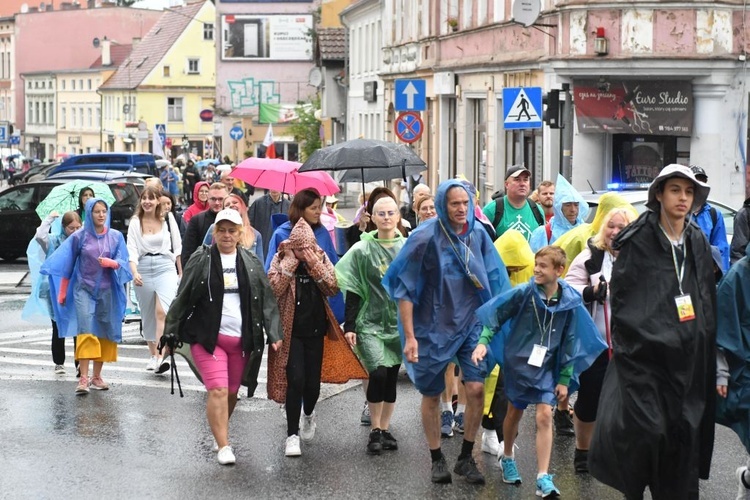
(307, 429)
(59, 369)
(226, 456)
(151, 365)
(743, 493)
(490, 444)
(292, 446)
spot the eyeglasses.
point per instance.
(389, 214)
(216, 200)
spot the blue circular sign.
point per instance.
(236, 133)
(409, 127)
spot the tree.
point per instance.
(306, 129)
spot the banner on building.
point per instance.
(634, 107)
(280, 113)
(256, 37)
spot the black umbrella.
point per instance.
(367, 160)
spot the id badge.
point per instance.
(475, 280)
(537, 355)
(685, 309)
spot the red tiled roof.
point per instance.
(118, 53)
(332, 43)
(154, 46)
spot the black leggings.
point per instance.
(382, 384)
(303, 379)
(58, 346)
(498, 408)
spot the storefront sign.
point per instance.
(74, 139)
(634, 107)
(267, 37)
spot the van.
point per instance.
(144, 163)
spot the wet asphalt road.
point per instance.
(141, 442)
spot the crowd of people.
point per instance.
(517, 304)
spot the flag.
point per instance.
(158, 149)
(268, 143)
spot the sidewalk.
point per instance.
(14, 282)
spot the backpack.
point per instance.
(500, 210)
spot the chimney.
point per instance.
(106, 52)
(136, 41)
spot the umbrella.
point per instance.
(205, 163)
(64, 197)
(367, 160)
(282, 175)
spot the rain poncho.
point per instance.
(573, 342)
(361, 271)
(656, 424)
(428, 273)
(95, 295)
(516, 253)
(733, 340)
(324, 242)
(559, 224)
(574, 241)
(38, 308)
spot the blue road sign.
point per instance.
(4, 135)
(15, 140)
(411, 95)
(409, 127)
(161, 129)
(236, 133)
(522, 107)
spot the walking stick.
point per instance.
(603, 282)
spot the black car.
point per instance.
(18, 218)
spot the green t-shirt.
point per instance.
(521, 219)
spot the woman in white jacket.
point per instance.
(590, 273)
(154, 247)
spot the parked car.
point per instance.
(638, 199)
(144, 163)
(101, 175)
(35, 173)
(19, 220)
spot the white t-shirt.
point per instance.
(231, 316)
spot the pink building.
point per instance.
(64, 39)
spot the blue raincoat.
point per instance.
(38, 308)
(559, 224)
(573, 341)
(716, 234)
(324, 242)
(95, 300)
(733, 339)
(428, 273)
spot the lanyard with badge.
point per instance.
(685, 310)
(465, 259)
(539, 351)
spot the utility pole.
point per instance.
(567, 134)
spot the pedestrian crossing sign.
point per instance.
(522, 107)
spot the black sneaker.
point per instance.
(440, 472)
(389, 442)
(467, 467)
(375, 445)
(564, 423)
(581, 461)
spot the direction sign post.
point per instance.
(409, 127)
(236, 133)
(522, 107)
(411, 95)
(161, 129)
(4, 134)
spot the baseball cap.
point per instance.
(230, 215)
(698, 172)
(515, 171)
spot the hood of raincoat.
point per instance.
(516, 252)
(301, 236)
(201, 205)
(441, 205)
(676, 170)
(478, 214)
(565, 193)
(88, 224)
(607, 202)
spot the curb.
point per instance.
(14, 290)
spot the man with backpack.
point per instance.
(515, 210)
(711, 222)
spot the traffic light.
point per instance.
(551, 102)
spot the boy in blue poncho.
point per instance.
(549, 340)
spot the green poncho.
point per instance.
(361, 271)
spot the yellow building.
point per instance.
(169, 79)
